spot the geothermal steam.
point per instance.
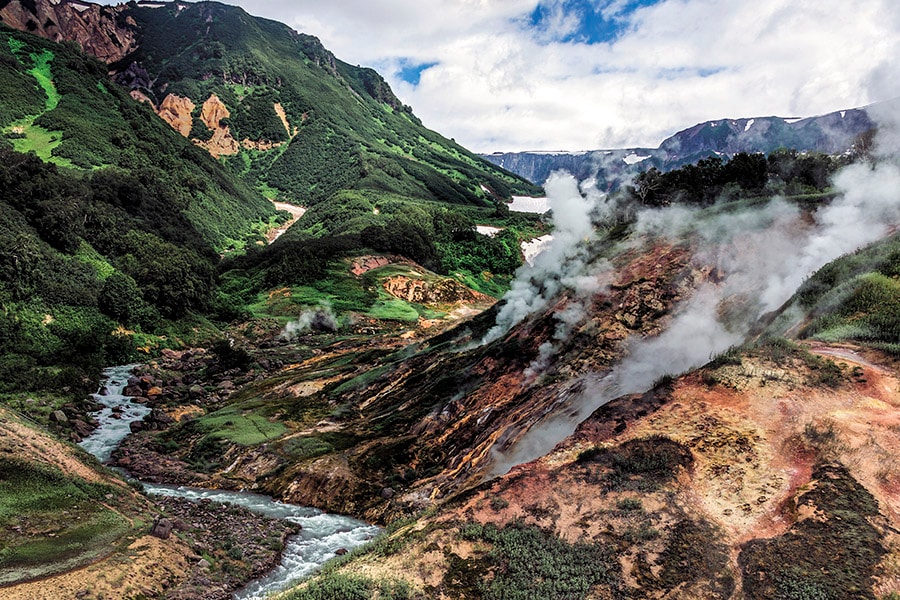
(765, 251)
(318, 319)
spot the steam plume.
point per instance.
(765, 251)
(321, 318)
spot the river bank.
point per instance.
(234, 537)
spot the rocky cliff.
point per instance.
(103, 31)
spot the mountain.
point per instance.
(296, 124)
(833, 133)
(108, 173)
(285, 113)
(692, 393)
(112, 222)
(101, 31)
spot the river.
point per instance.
(322, 534)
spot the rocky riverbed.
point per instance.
(232, 545)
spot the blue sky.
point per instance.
(503, 75)
(583, 21)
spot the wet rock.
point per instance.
(136, 426)
(81, 428)
(162, 528)
(133, 390)
(340, 551)
(159, 416)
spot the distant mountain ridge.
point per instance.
(831, 133)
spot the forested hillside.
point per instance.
(112, 219)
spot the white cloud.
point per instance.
(498, 86)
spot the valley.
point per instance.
(408, 372)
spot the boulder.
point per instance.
(136, 426)
(58, 416)
(162, 528)
(160, 416)
(81, 428)
(172, 354)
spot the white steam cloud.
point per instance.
(561, 266)
(765, 252)
(321, 318)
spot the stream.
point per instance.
(321, 536)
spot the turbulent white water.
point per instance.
(113, 425)
(322, 534)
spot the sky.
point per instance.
(518, 75)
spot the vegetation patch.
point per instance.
(522, 561)
(338, 586)
(833, 554)
(245, 429)
(641, 465)
(691, 554)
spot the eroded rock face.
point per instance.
(222, 143)
(99, 30)
(446, 291)
(176, 111)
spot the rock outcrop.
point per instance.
(442, 292)
(222, 143)
(176, 111)
(100, 30)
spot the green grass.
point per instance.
(245, 430)
(40, 141)
(42, 73)
(30, 137)
(62, 520)
(88, 255)
(388, 308)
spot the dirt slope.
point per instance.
(754, 479)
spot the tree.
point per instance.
(647, 186)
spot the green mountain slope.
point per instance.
(114, 220)
(59, 103)
(304, 127)
(342, 126)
